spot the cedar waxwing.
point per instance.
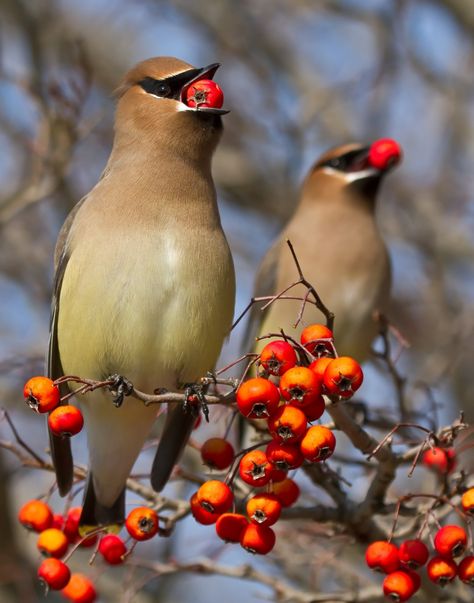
(144, 283)
(339, 247)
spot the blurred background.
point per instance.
(299, 76)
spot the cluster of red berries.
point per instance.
(57, 533)
(401, 563)
(43, 396)
(288, 407)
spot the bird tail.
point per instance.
(178, 426)
(95, 515)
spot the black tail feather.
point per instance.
(178, 426)
(96, 515)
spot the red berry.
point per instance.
(36, 515)
(264, 509)
(466, 570)
(317, 339)
(413, 553)
(284, 456)
(204, 93)
(215, 496)
(80, 589)
(319, 365)
(41, 394)
(441, 570)
(65, 420)
(318, 444)
(71, 528)
(342, 377)
(52, 543)
(286, 491)
(258, 398)
(300, 386)
(384, 154)
(200, 514)
(112, 548)
(142, 523)
(314, 410)
(400, 585)
(441, 460)
(450, 541)
(58, 521)
(258, 539)
(54, 573)
(467, 501)
(217, 453)
(288, 425)
(230, 526)
(277, 357)
(382, 556)
(278, 475)
(255, 469)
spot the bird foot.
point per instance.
(195, 399)
(120, 388)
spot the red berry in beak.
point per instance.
(384, 153)
(204, 93)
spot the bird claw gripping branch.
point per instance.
(120, 387)
(195, 399)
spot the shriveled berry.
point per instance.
(230, 526)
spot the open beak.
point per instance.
(201, 74)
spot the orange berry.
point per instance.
(142, 523)
(314, 410)
(450, 541)
(343, 377)
(318, 444)
(287, 492)
(230, 526)
(300, 386)
(80, 589)
(314, 339)
(54, 573)
(217, 453)
(288, 425)
(441, 570)
(71, 528)
(413, 553)
(284, 456)
(66, 420)
(466, 570)
(255, 469)
(112, 548)
(215, 496)
(41, 394)
(319, 365)
(382, 556)
(36, 515)
(258, 539)
(441, 460)
(277, 357)
(467, 501)
(258, 398)
(264, 509)
(200, 514)
(400, 585)
(52, 543)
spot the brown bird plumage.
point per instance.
(144, 282)
(341, 252)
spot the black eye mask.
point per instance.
(170, 87)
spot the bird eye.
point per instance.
(162, 89)
(334, 163)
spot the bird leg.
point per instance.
(120, 387)
(195, 399)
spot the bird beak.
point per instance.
(201, 74)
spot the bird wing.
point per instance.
(60, 446)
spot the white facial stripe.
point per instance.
(350, 176)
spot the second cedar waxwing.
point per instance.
(144, 284)
(340, 250)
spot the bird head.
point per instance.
(354, 168)
(152, 107)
